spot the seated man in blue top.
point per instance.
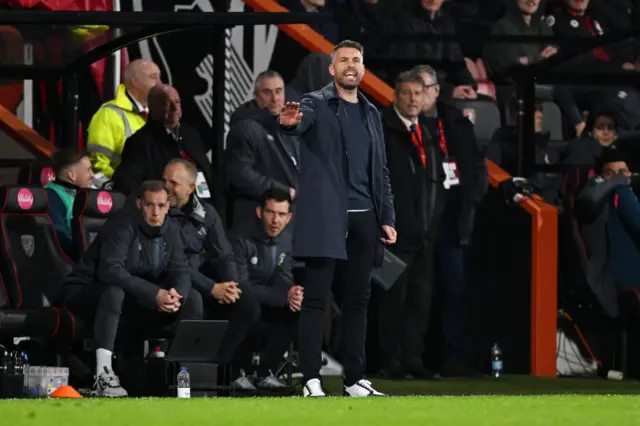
(608, 212)
(73, 171)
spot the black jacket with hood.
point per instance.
(499, 57)
(258, 157)
(206, 246)
(148, 151)
(264, 265)
(312, 74)
(141, 259)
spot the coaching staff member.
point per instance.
(344, 209)
(134, 270)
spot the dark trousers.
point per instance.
(110, 309)
(253, 326)
(351, 280)
(404, 309)
(451, 267)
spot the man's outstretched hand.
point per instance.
(290, 114)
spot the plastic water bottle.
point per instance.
(184, 383)
(496, 361)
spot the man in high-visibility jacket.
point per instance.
(120, 118)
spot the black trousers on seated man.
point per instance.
(108, 307)
(351, 280)
(253, 326)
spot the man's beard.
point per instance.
(349, 86)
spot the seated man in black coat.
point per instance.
(266, 279)
(162, 139)
(134, 270)
(209, 253)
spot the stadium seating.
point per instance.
(485, 117)
(553, 120)
(38, 172)
(91, 209)
(32, 265)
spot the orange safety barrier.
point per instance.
(544, 218)
(24, 135)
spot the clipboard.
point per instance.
(386, 275)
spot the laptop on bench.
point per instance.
(196, 341)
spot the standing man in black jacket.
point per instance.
(134, 270)
(344, 209)
(462, 181)
(259, 155)
(266, 278)
(163, 138)
(403, 310)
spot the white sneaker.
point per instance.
(313, 388)
(108, 385)
(360, 389)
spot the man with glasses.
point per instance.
(461, 185)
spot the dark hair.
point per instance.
(65, 158)
(347, 44)
(608, 155)
(600, 111)
(151, 186)
(408, 77)
(277, 195)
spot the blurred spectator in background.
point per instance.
(312, 74)
(120, 118)
(259, 156)
(618, 15)
(574, 18)
(328, 28)
(163, 138)
(412, 24)
(367, 21)
(403, 310)
(601, 131)
(462, 183)
(523, 18)
(73, 171)
(608, 215)
(504, 152)
(582, 154)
